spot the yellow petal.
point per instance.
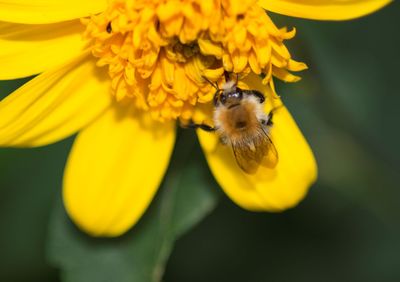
(284, 75)
(54, 105)
(114, 170)
(269, 189)
(208, 47)
(48, 11)
(296, 66)
(323, 9)
(31, 49)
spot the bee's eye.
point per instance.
(222, 98)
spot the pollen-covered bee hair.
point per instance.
(240, 122)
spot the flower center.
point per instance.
(159, 53)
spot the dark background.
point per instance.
(347, 228)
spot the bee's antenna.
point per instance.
(212, 84)
(226, 74)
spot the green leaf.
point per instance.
(186, 196)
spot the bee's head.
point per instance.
(231, 96)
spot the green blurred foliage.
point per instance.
(346, 229)
(30, 180)
(141, 253)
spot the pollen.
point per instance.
(158, 53)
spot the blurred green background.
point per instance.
(347, 228)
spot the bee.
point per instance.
(240, 122)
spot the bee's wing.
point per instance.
(271, 155)
(247, 159)
(259, 151)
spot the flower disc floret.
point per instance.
(159, 52)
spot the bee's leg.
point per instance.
(204, 127)
(255, 93)
(268, 120)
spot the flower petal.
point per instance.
(31, 49)
(54, 105)
(48, 11)
(269, 189)
(323, 9)
(114, 170)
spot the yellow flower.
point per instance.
(153, 57)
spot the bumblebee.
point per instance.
(240, 122)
